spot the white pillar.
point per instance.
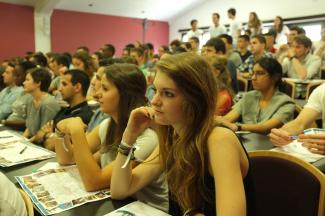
(42, 29)
(42, 24)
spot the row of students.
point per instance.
(186, 147)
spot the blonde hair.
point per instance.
(185, 155)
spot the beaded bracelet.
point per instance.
(128, 151)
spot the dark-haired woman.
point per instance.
(41, 107)
(265, 107)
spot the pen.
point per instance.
(5, 136)
(294, 137)
(22, 151)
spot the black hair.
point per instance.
(79, 76)
(42, 76)
(232, 11)
(260, 38)
(272, 67)
(61, 60)
(302, 39)
(245, 37)
(196, 39)
(218, 44)
(40, 59)
(227, 37)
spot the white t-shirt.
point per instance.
(234, 26)
(192, 33)
(316, 101)
(281, 37)
(215, 31)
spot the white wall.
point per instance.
(266, 9)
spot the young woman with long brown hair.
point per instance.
(206, 167)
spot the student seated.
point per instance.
(18, 116)
(225, 92)
(123, 89)
(206, 167)
(314, 109)
(95, 84)
(73, 88)
(41, 107)
(9, 94)
(265, 107)
(11, 202)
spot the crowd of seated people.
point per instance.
(174, 106)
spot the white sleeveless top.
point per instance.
(155, 193)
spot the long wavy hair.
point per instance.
(131, 85)
(185, 156)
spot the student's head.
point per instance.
(37, 79)
(195, 43)
(74, 83)
(258, 43)
(162, 50)
(278, 24)
(215, 18)
(108, 50)
(83, 49)
(243, 42)
(123, 89)
(138, 54)
(215, 46)
(58, 62)
(267, 73)
(185, 99)
(219, 68)
(294, 32)
(186, 46)
(231, 12)
(227, 39)
(181, 81)
(301, 45)
(194, 23)
(269, 38)
(9, 74)
(20, 71)
(252, 17)
(174, 44)
(83, 61)
(39, 59)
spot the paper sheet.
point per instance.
(19, 152)
(7, 136)
(137, 208)
(59, 189)
(295, 148)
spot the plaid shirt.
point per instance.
(247, 66)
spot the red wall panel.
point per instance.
(17, 30)
(70, 30)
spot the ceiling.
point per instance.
(164, 10)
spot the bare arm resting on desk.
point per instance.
(306, 117)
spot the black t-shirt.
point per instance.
(81, 110)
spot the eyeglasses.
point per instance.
(259, 73)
